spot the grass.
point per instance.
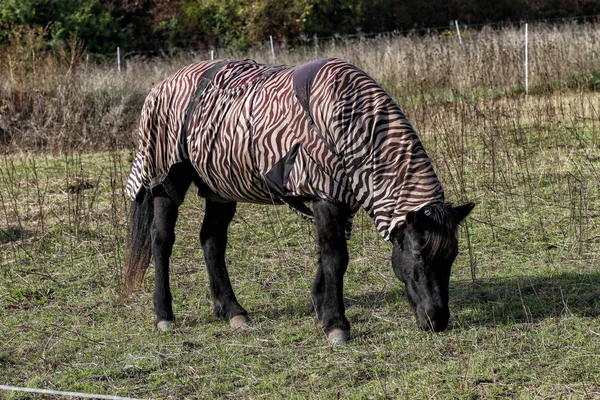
(525, 290)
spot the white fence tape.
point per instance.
(61, 393)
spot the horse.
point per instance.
(323, 134)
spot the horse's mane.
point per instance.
(442, 230)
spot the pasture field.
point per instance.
(525, 290)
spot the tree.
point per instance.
(91, 20)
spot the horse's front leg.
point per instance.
(327, 290)
(168, 194)
(163, 237)
(213, 238)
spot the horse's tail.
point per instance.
(139, 242)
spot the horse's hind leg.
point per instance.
(167, 198)
(327, 290)
(213, 237)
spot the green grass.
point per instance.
(525, 290)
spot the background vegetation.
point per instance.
(143, 25)
(525, 291)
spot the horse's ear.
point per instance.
(417, 220)
(461, 212)
(411, 218)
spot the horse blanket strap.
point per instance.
(267, 74)
(162, 184)
(204, 82)
(302, 81)
(277, 180)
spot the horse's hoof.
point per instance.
(239, 321)
(338, 336)
(165, 325)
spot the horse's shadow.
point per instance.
(498, 301)
(13, 234)
(526, 299)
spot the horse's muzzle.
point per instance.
(432, 318)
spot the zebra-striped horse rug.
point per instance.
(262, 134)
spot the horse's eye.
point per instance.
(418, 257)
(416, 276)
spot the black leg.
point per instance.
(213, 237)
(327, 290)
(163, 237)
(166, 211)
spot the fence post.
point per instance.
(526, 61)
(212, 54)
(118, 59)
(458, 31)
(272, 48)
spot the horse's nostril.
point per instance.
(433, 319)
(439, 325)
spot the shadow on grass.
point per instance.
(13, 234)
(502, 301)
(526, 299)
(487, 302)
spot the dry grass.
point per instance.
(61, 102)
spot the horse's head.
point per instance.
(423, 253)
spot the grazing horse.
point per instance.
(323, 133)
